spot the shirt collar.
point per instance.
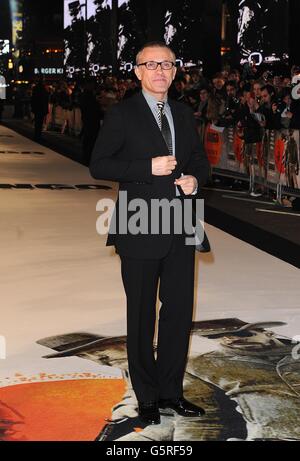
(151, 100)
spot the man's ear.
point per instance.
(137, 72)
(174, 72)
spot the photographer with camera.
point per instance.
(270, 108)
(232, 104)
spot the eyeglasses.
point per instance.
(152, 65)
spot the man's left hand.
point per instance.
(187, 183)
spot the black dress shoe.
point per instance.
(182, 407)
(148, 412)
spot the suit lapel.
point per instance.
(151, 125)
(177, 120)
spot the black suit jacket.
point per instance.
(126, 144)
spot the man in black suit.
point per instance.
(150, 145)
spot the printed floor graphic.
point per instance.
(63, 364)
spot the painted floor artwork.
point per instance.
(63, 363)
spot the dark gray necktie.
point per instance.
(204, 246)
(164, 126)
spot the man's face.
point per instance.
(218, 83)
(235, 77)
(195, 78)
(156, 82)
(230, 90)
(242, 98)
(277, 81)
(253, 105)
(257, 89)
(203, 95)
(247, 95)
(265, 96)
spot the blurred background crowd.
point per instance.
(248, 99)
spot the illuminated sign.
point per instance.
(87, 46)
(95, 69)
(49, 71)
(258, 37)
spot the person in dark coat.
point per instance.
(39, 107)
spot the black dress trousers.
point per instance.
(161, 376)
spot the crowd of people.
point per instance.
(251, 100)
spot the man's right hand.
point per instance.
(163, 166)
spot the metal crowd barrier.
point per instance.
(275, 159)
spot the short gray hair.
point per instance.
(154, 44)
